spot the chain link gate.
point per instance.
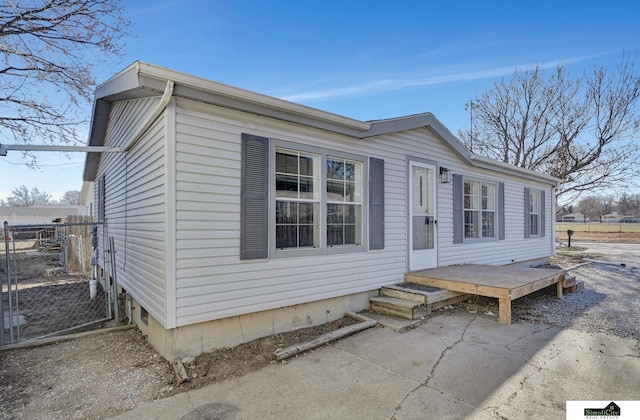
(50, 280)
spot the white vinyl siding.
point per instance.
(212, 281)
(173, 205)
(135, 204)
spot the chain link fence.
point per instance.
(49, 285)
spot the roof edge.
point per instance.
(429, 121)
(246, 96)
(142, 79)
(482, 161)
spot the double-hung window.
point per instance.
(479, 209)
(316, 208)
(297, 199)
(534, 213)
(300, 200)
(344, 201)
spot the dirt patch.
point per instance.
(101, 376)
(566, 258)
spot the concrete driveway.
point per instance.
(455, 365)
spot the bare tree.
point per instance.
(49, 50)
(593, 207)
(71, 198)
(582, 130)
(629, 205)
(25, 197)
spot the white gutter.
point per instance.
(528, 173)
(53, 148)
(164, 101)
(553, 220)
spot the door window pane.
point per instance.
(422, 191)
(423, 232)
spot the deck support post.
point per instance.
(559, 288)
(504, 311)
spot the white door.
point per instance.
(422, 218)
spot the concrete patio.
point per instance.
(454, 365)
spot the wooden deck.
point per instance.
(505, 283)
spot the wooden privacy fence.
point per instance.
(599, 227)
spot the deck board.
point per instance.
(505, 283)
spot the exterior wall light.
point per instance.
(445, 175)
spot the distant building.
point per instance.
(573, 217)
(87, 197)
(614, 217)
(39, 215)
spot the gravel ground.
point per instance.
(608, 303)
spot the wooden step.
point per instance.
(579, 285)
(402, 293)
(401, 308)
(568, 281)
(417, 295)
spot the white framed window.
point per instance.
(297, 199)
(318, 205)
(344, 201)
(479, 207)
(301, 200)
(534, 212)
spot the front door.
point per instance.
(422, 218)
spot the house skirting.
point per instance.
(195, 339)
(532, 263)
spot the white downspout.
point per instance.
(164, 101)
(553, 220)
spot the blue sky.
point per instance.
(362, 59)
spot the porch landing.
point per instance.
(505, 283)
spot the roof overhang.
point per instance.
(142, 80)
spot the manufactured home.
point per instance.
(237, 215)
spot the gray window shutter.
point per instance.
(527, 213)
(542, 208)
(458, 210)
(501, 221)
(254, 198)
(376, 203)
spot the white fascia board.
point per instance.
(126, 79)
(487, 163)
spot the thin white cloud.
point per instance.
(397, 84)
(152, 8)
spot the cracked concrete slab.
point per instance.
(412, 354)
(428, 403)
(471, 371)
(454, 365)
(329, 383)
